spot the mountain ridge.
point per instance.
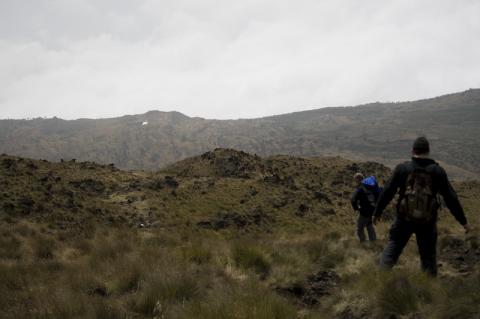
(156, 111)
(376, 131)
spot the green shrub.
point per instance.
(84, 279)
(107, 249)
(333, 236)
(197, 253)
(248, 301)
(397, 296)
(164, 288)
(127, 275)
(84, 246)
(105, 310)
(403, 293)
(13, 279)
(395, 293)
(320, 252)
(463, 298)
(44, 248)
(59, 304)
(24, 230)
(249, 257)
(10, 247)
(317, 249)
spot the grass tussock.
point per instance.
(249, 300)
(164, 288)
(44, 247)
(198, 253)
(462, 299)
(126, 276)
(324, 252)
(395, 293)
(249, 257)
(10, 246)
(121, 274)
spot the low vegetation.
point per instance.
(271, 238)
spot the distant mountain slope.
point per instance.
(380, 131)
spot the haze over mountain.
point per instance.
(379, 131)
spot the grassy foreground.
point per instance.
(225, 235)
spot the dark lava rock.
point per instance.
(166, 182)
(337, 182)
(135, 185)
(32, 166)
(463, 255)
(233, 163)
(279, 202)
(9, 163)
(349, 314)
(322, 197)
(26, 201)
(276, 179)
(88, 165)
(89, 185)
(352, 168)
(303, 208)
(8, 207)
(233, 219)
(310, 291)
(99, 291)
(170, 182)
(327, 211)
(132, 199)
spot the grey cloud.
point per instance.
(228, 59)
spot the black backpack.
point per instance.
(372, 195)
(418, 204)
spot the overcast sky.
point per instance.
(230, 59)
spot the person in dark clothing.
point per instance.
(358, 177)
(363, 200)
(404, 226)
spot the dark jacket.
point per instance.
(361, 202)
(441, 185)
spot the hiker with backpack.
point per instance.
(418, 183)
(364, 199)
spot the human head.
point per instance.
(421, 146)
(358, 177)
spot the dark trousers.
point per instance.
(400, 233)
(362, 223)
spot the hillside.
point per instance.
(226, 234)
(380, 132)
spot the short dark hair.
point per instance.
(421, 146)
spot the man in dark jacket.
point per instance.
(363, 200)
(404, 227)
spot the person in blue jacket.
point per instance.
(364, 200)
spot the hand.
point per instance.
(467, 228)
(376, 219)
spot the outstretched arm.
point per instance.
(451, 199)
(388, 192)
